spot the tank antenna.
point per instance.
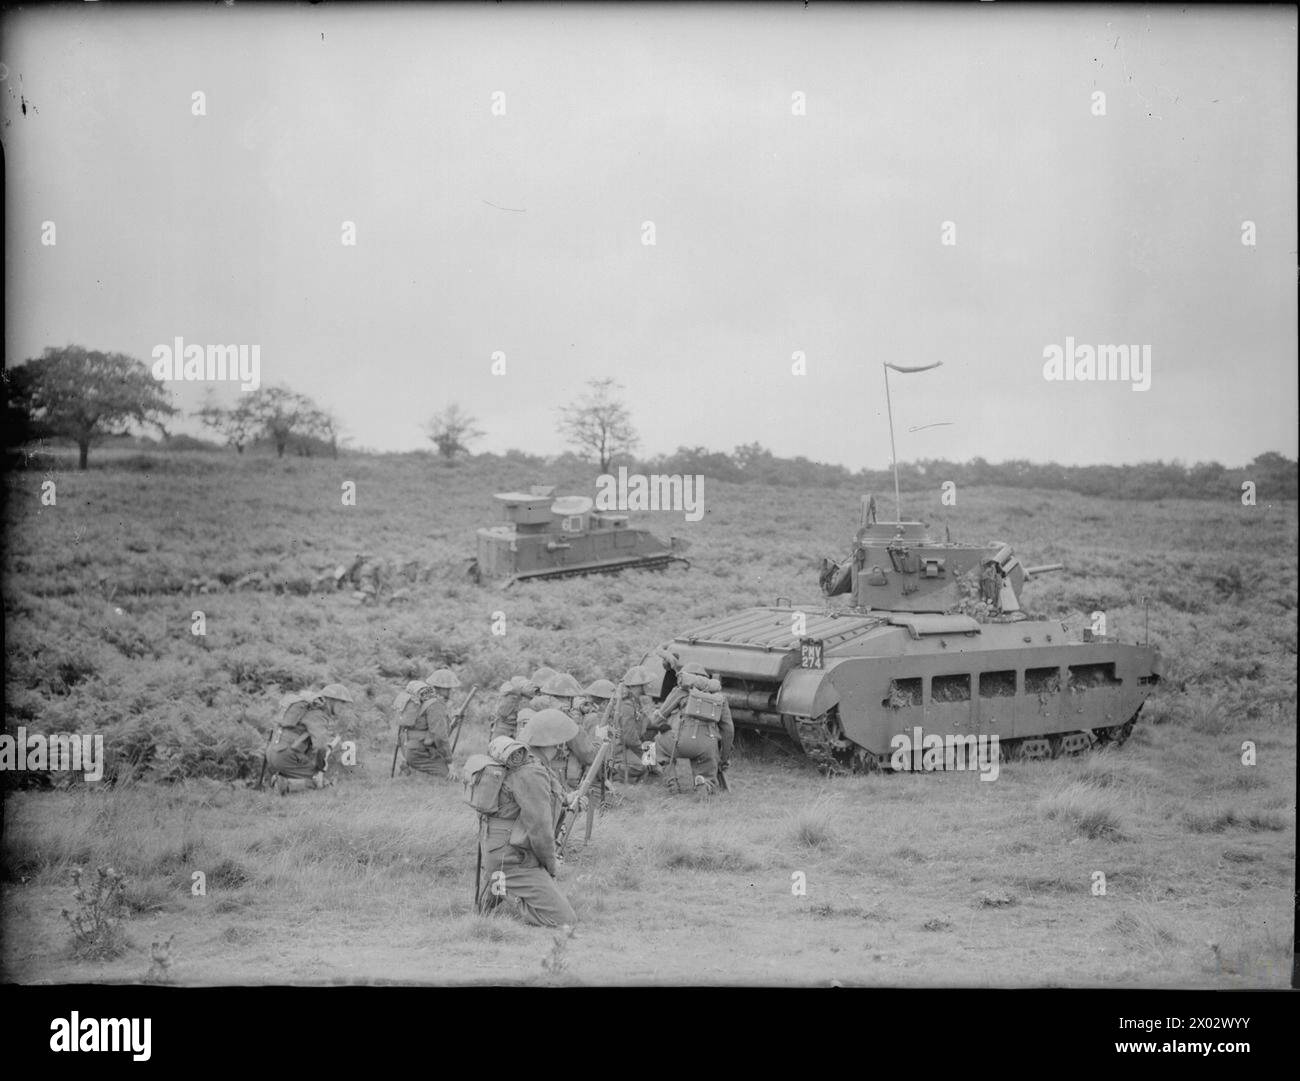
(898, 508)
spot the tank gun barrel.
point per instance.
(1044, 568)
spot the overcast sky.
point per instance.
(774, 232)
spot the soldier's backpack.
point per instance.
(483, 778)
(703, 706)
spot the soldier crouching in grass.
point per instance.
(301, 747)
(515, 692)
(520, 860)
(428, 741)
(562, 692)
(633, 715)
(694, 722)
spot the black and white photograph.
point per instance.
(651, 496)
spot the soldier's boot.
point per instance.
(704, 787)
(318, 779)
(295, 784)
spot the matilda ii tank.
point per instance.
(541, 536)
(918, 644)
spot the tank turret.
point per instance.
(901, 567)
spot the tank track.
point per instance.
(835, 755)
(656, 563)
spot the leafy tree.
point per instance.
(452, 430)
(85, 395)
(281, 414)
(599, 424)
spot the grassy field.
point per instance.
(910, 880)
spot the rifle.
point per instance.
(402, 729)
(570, 812)
(478, 871)
(672, 755)
(459, 716)
(618, 720)
(265, 752)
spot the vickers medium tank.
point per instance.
(917, 637)
(545, 537)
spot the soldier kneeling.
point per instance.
(428, 740)
(300, 750)
(694, 722)
(519, 801)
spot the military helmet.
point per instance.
(549, 728)
(562, 685)
(600, 688)
(522, 685)
(694, 668)
(443, 677)
(542, 675)
(336, 691)
(500, 748)
(636, 676)
(416, 687)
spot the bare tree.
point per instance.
(599, 424)
(326, 426)
(276, 413)
(452, 430)
(236, 426)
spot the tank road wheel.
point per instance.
(823, 741)
(864, 761)
(1034, 749)
(1075, 743)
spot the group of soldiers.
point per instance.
(544, 753)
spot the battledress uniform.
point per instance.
(519, 842)
(298, 748)
(428, 746)
(705, 743)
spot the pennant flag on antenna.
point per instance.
(922, 368)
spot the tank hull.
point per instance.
(513, 555)
(853, 683)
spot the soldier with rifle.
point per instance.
(409, 701)
(298, 754)
(519, 854)
(579, 800)
(428, 739)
